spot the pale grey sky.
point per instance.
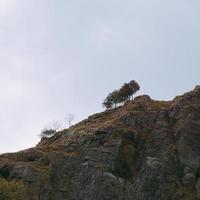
(64, 56)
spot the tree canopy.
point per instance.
(123, 95)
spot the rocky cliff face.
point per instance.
(144, 150)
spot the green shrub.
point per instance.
(46, 133)
(12, 190)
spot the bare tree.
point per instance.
(69, 119)
(56, 125)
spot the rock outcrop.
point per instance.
(144, 150)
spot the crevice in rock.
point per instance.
(5, 171)
(128, 160)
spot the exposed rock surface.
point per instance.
(144, 150)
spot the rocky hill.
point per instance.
(144, 150)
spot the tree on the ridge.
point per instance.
(134, 87)
(108, 103)
(115, 97)
(111, 100)
(123, 95)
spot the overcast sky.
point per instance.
(64, 56)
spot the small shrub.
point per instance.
(46, 133)
(12, 190)
(50, 130)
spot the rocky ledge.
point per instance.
(144, 150)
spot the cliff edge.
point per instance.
(144, 150)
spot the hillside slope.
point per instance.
(144, 150)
